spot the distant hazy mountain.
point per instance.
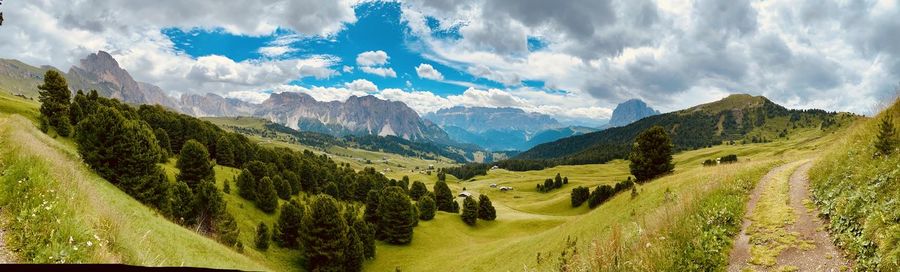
(629, 111)
(356, 116)
(501, 128)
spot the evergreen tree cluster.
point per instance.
(551, 184)
(54, 96)
(602, 193)
(580, 194)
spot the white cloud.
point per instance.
(362, 85)
(249, 96)
(425, 70)
(372, 58)
(347, 69)
(275, 51)
(381, 71)
(321, 93)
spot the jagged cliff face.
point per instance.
(357, 115)
(629, 111)
(215, 105)
(481, 119)
(101, 72)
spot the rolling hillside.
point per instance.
(738, 118)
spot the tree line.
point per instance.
(554, 183)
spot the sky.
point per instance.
(574, 60)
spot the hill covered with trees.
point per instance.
(737, 118)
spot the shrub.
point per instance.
(732, 158)
(887, 136)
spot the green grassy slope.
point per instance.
(88, 209)
(859, 193)
(529, 222)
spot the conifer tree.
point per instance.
(194, 165)
(162, 139)
(226, 229)
(266, 197)
(225, 151)
(262, 236)
(287, 230)
(443, 196)
(246, 184)
(417, 190)
(427, 207)
(54, 96)
(183, 208)
(209, 204)
(470, 211)
(282, 187)
(395, 223)
(486, 209)
(886, 140)
(366, 234)
(371, 212)
(324, 235)
(651, 155)
(354, 253)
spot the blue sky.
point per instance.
(573, 60)
(378, 27)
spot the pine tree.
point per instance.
(226, 187)
(183, 208)
(226, 229)
(194, 164)
(395, 225)
(355, 252)
(454, 206)
(886, 140)
(54, 96)
(162, 139)
(486, 209)
(287, 230)
(266, 197)
(418, 190)
(246, 184)
(224, 151)
(470, 211)
(282, 187)
(651, 155)
(443, 196)
(404, 183)
(324, 235)
(294, 180)
(366, 234)
(209, 204)
(262, 236)
(427, 207)
(371, 212)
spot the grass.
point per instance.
(88, 208)
(768, 231)
(858, 192)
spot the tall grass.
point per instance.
(859, 193)
(690, 232)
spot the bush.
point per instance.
(732, 158)
(262, 237)
(470, 211)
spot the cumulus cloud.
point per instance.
(275, 51)
(362, 85)
(425, 70)
(372, 58)
(380, 71)
(831, 54)
(249, 96)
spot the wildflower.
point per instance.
(90, 244)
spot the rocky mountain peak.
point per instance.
(630, 111)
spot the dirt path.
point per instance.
(6, 255)
(740, 253)
(825, 256)
(817, 254)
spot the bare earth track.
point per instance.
(823, 256)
